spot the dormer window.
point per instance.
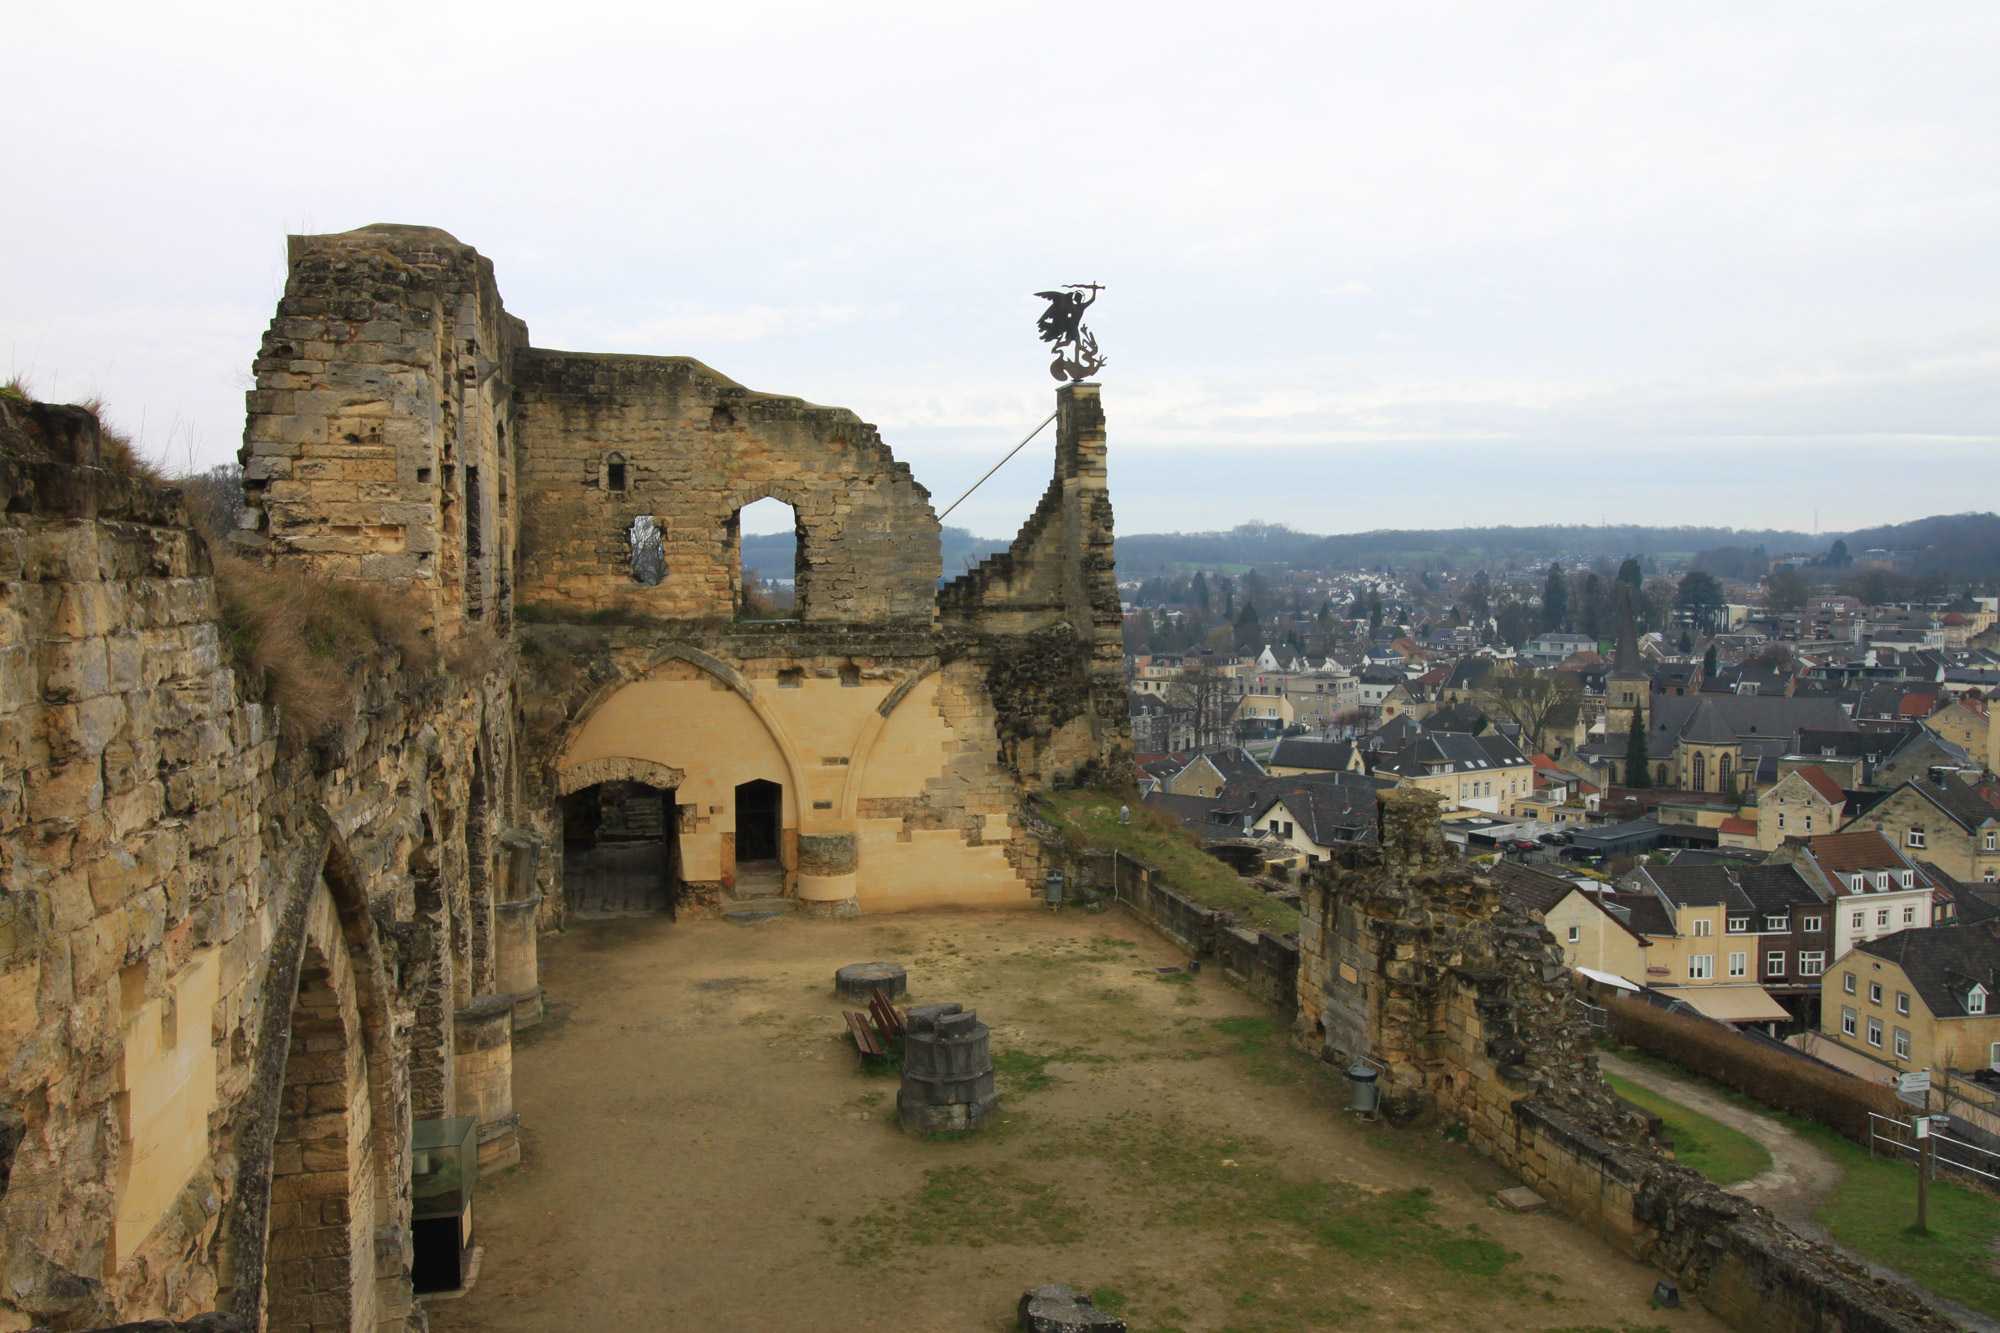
(1975, 1000)
(1881, 881)
(1909, 879)
(1739, 923)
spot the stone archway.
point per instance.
(319, 1257)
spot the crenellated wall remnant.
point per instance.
(1411, 959)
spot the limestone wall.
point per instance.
(217, 951)
(1409, 958)
(608, 439)
(377, 442)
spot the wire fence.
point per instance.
(1894, 1137)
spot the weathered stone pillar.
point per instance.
(515, 943)
(483, 1067)
(827, 873)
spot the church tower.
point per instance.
(1628, 687)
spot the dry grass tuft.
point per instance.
(304, 639)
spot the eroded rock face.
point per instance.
(1059, 1309)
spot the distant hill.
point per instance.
(1968, 544)
(771, 553)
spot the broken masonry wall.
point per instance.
(1045, 613)
(1412, 959)
(608, 439)
(163, 854)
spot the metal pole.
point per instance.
(997, 466)
(1923, 1183)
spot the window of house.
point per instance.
(1975, 1000)
(1874, 1032)
(1916, 838)
(1812, 962)
(1902, 1044)
(1874, 992)
(1774, 923)
(1774, 963)
(1856, 922)
(1738, 964)
(1703, 927)
(1909, 879)
(1903, 1002)
(1810, 925)
(1847, 982)
(1781, 819)
(1910, 915)
(1850, 1024)
(1993, 1056)
(1701, 966)
(1993, 842)
(1809, 823)
(1882, 916)
(1881, 881)
(1738, 924)
(1575, 934)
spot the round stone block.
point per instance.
(857, 981)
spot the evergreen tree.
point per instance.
(1201, 589)
(1555, 600)
(1638, 764)
(1708, 662)
(1630, 573)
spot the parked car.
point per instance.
(1554, 839)
(1524, 845)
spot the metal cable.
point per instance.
(997, 466)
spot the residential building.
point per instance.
(1965, 723)
(1804, 803)
(1955, 823)
(1309, 815)
(1206, 774)
(1477, 772)
(1874, 889)
(1921, 999)
(1296, 754)
(1795, 935)
(1592, 931)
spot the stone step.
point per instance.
(747, 910)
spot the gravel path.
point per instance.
(1802, 1173)
(1801, 1177)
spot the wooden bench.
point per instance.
(888, 1024)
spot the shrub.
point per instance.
(302, 638)
(1774, 1077)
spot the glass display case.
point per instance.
(444, 1166)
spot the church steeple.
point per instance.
(1628, 685)
(1625, 659)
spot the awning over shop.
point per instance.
(1608, 979)
(1730, 1004)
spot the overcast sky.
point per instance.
(1368, 265)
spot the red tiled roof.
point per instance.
(1840, 852)
(1736, 825)
(1816, 778)
(1917, 705)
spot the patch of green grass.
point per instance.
(1726, 1156)
(1262, 1042)
(1023, 1071)
(1091, 817)
(1875, 1208)
(974, 1206)
(1109, 1300)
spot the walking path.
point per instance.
(1802, 1175)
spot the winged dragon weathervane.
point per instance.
(1062, 325)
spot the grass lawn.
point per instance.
(1726, 1156)
(1875, 1208)
(1091, 817)
(1876, 1204)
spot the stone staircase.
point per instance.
(759, 894)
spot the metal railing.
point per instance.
(1898, 1138)
(1594, 1014)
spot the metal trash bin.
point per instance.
(1364, 1093)
(1052, 889)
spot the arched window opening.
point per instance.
(769, 569)
(1701, 772)
(621, 850)
(649, 556)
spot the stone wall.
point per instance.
(1411, 959)
(1263, 962)
(606, 440)
(213, 945)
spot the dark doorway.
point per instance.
(759, 808)
(621, 850)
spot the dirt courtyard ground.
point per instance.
(702, 1151)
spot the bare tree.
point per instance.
(1203, 699)
(1532, 700)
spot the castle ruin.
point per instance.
(239, 965)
